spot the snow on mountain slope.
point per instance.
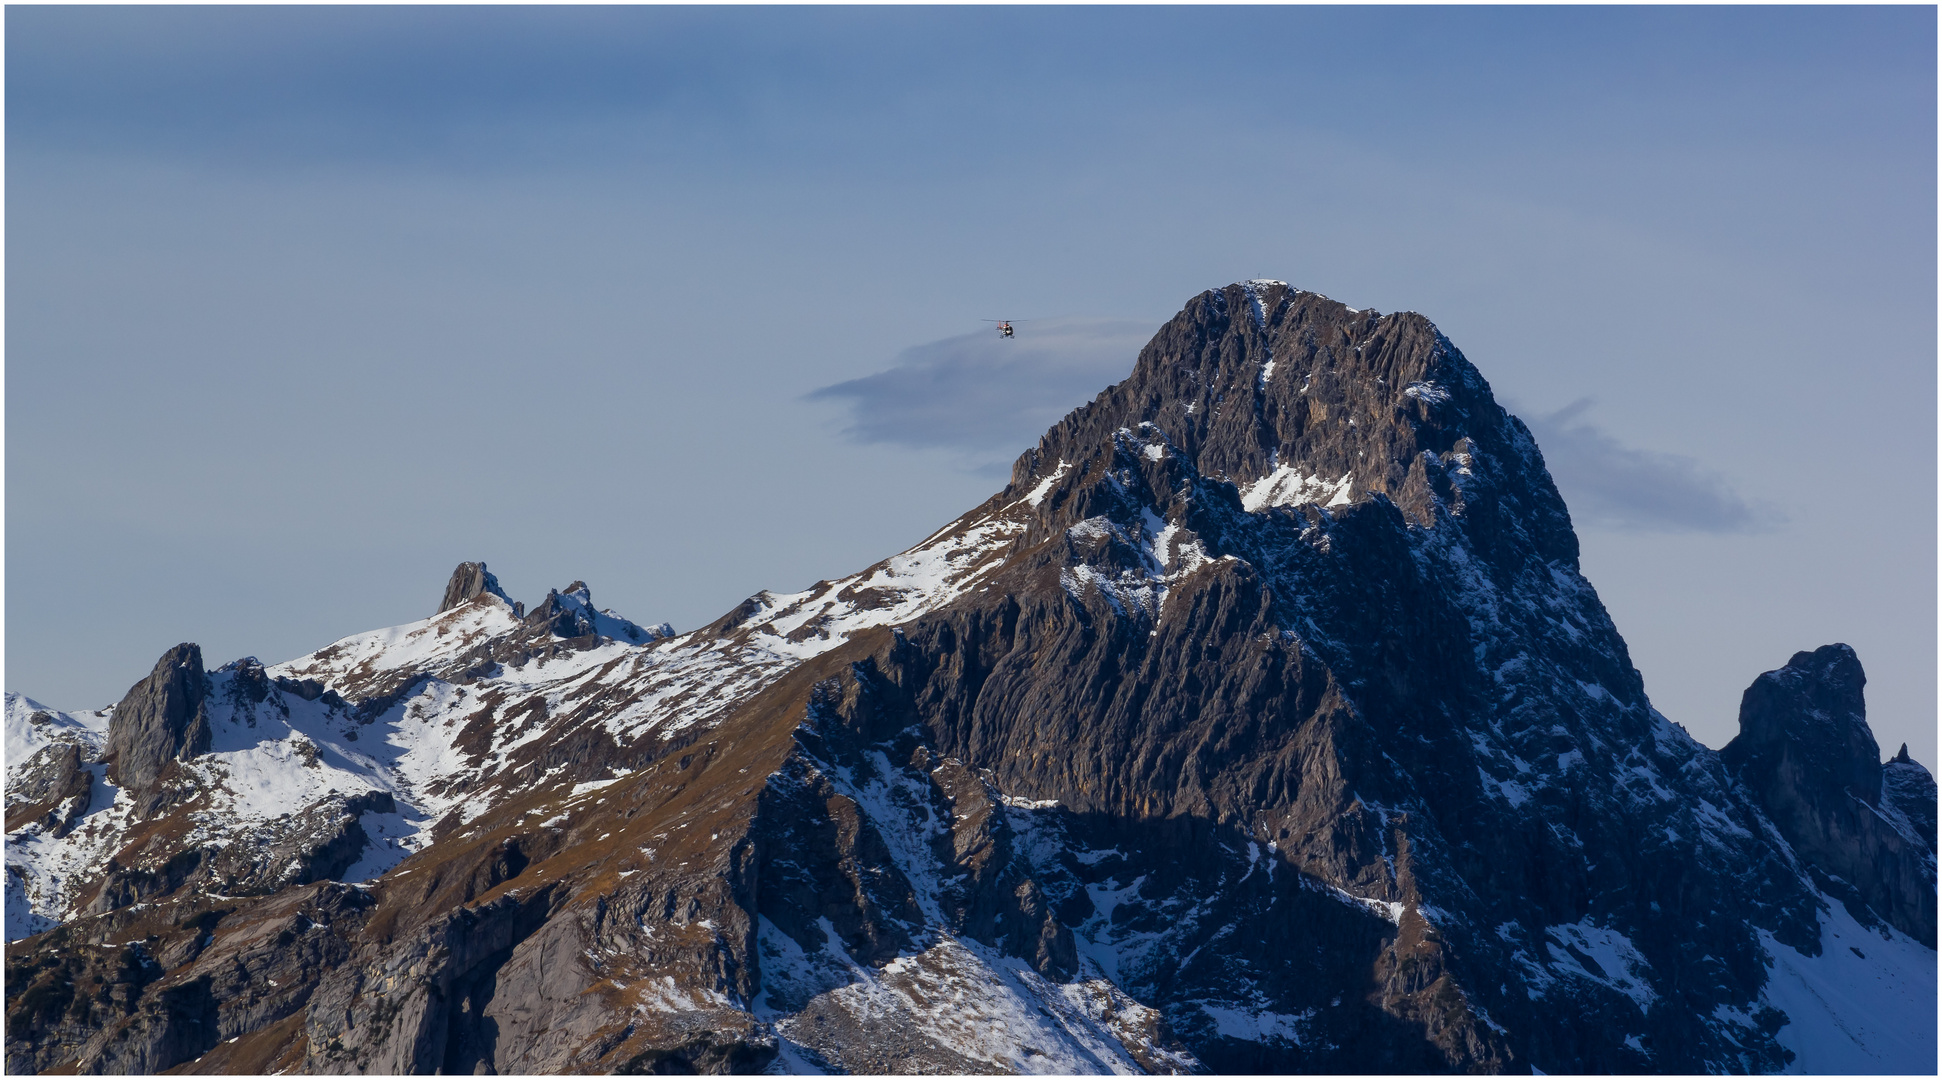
(950, 563)
(1865, 1005)
(436, 721)
(357, 665)
(33, 869)
(45, 870)
(32, 726)
(276, 765)
(990, 1010)
(954, 1002)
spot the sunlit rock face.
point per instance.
(1263, 722)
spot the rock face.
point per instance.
(1804, 733)
(470, 580)
(52, 788)
(1806, 753)
(1262, 723)
(160, 720)
(1908, 788)
(569, 614)
(143, 990)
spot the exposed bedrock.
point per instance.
(159, 721)
(1908, 787)
(469, 581)
(147, 989)
(53, 788)
(1806, 753)
(402, 1009)
(318, 843)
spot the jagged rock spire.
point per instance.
(161, 719)
(1805, 726)
(1806, 754)
(1907, 786)
(469, 581)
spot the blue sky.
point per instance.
(306, 305)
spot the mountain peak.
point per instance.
(1809, 719)
(1806, 754)
(569, 614)
(470, 581)
(1300, 400)
(159, 720)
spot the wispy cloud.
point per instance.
(988, 396)
(1608, 484)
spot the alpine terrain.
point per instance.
(1262, 723)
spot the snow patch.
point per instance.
(1257, 1026)
(1038, 493)
(1427, 392)
(1288, 486)
(1600, 955)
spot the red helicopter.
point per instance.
(1004, 326)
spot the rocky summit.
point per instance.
(1262, 723)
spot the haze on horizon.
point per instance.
(309, 304)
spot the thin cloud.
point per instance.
(986, 395)
(1611, 485)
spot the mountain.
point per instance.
(1263, 722)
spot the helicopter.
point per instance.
(1004, 326)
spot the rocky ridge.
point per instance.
(1263, 722)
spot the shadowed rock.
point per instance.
(1808, 722)
(1807, 755)
(1907, 786)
